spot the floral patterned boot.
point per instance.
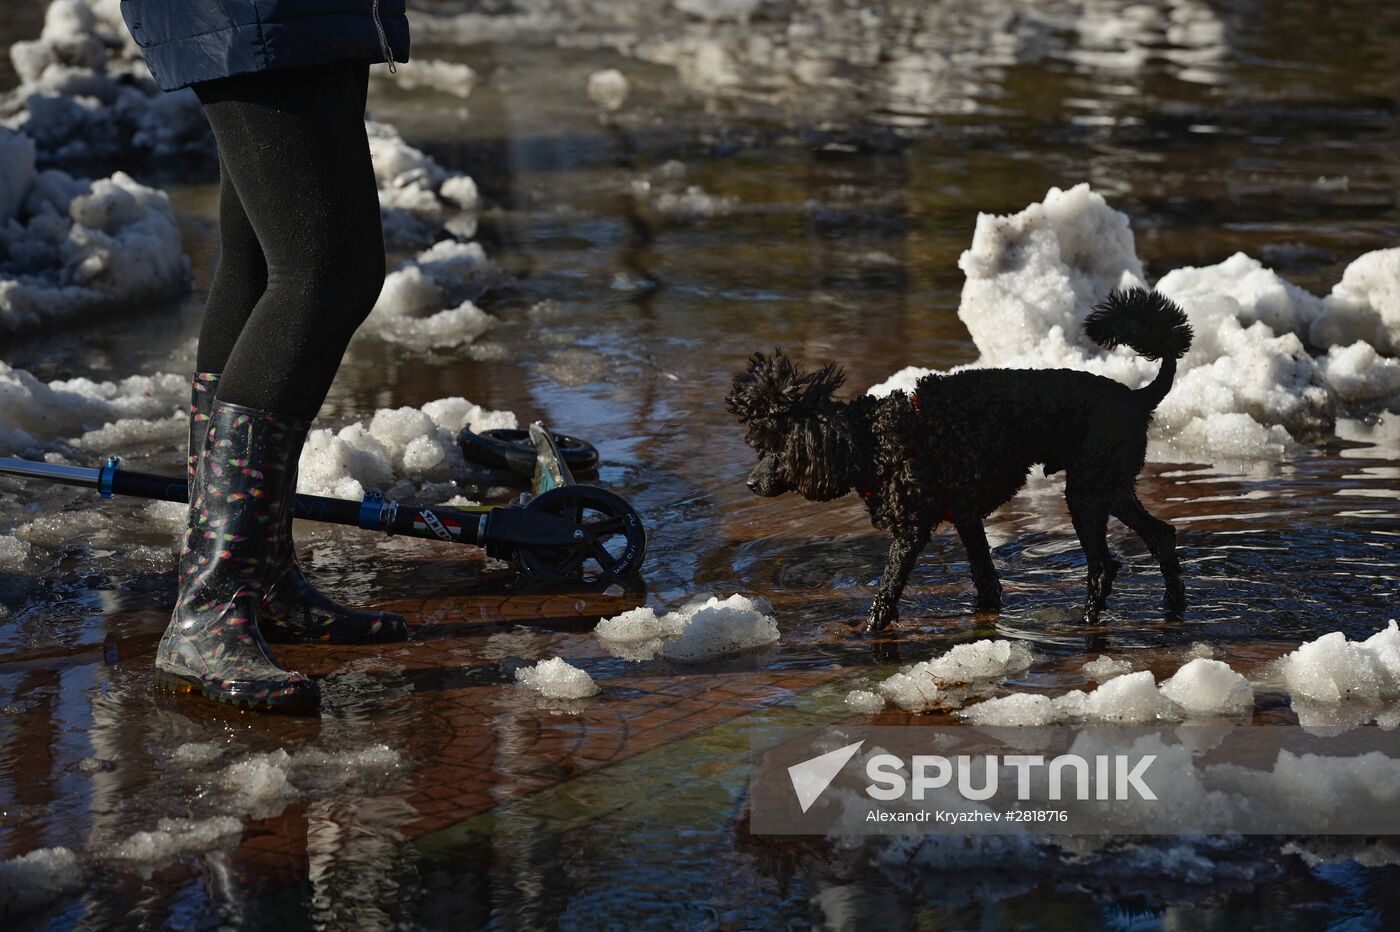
(292, 609)
(238, 494)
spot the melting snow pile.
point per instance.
(176, 838)
(926, 684)
(88, 414)
(426, 302)
(1202, 687)
(70, 247)
(401, 452)
(556, 678)
(36, 879)
(417, 196)
(86, 96)
(705, 628)
(1249, 386)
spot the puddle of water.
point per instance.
(836, 238)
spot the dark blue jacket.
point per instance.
(188, 41)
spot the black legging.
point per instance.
(303, 250)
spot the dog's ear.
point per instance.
(774, 387)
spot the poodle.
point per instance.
(962, 444)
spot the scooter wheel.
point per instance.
(503, 448)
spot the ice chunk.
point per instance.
(865, 701)
(1015, 709)
(1332, 669)
(36, 879)
(608, 89)
(15, 554)
(640, 633)
(177, 838)
(557, 679)
(1360, 376)
(417, 196)
(705, 628)
(1104, 667)
(1208, 686)
(1131, 698)
(913, 690)
(978, 663)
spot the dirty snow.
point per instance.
(71, 247)
(705, 628)
(556, 678)
(1248, 388)
(36, 879)
(172, 839)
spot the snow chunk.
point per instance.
(1332, 669)
(417, 197)
(33, 413)
(401, 452)
(706, 628)
(1364, 305)
(1015, 709)
(978, 663)
(1104, 667)
(71, 247)
(177, 838)
(450, 77)
(1209, 686)
(15, 554)
(608, 89)
(36, 879)
(557, 679)
(865, 701)
(427, 301)
(261, 785)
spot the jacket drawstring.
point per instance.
(383, 38)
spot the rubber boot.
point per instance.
(293, 611)
(238, 494)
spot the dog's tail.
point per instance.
(1152, 325)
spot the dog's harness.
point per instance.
(888, 474)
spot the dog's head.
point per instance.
(796, 425)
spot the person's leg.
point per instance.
(239, 280)
(314, 231)
(294, 146)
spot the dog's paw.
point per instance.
(988, 599)
(881, 617)
(1174, 602)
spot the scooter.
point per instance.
(559, 532)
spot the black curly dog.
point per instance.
(962, 445)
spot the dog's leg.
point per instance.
(1160, 538)
(1089, 512)
(904, 552)
(979, 558)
